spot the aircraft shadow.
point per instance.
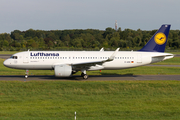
(78, 77)
(52, 77)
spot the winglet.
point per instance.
(102, 49)
(113, 55)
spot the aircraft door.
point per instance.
(25, 58)
(139, 58)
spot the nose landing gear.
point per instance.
(26, 74)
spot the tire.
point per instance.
(85, 76)
(26, 76)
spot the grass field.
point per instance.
(172, 61)
(8, 52)
(98, 100)
(92, 100)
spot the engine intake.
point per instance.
(63, 70)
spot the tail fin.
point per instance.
(158, 42)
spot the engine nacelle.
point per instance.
(63, 70)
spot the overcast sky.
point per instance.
(84, 14)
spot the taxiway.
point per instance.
(93, 77)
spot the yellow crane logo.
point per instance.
(160, 38)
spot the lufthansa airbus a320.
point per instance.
(66, 63)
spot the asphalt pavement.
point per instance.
(91, 77)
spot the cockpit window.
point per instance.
(13, 57)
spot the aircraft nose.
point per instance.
(6, 63)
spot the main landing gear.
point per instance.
(26, 74)
(84, 75)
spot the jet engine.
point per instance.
(63, 70)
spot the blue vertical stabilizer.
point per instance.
(158, 42)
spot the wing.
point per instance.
(87, 65)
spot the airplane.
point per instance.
(66, 63)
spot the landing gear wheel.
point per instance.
(85, 76)
(26, 76)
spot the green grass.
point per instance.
(173, 52)
(92, 100)
(144, 70)
(172, 61)
(8, 52)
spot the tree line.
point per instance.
(89, 39)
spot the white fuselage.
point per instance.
(46, 60)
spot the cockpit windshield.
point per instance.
(13, 57)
